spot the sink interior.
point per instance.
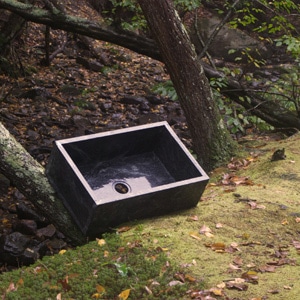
(131, 163)
(127, 174)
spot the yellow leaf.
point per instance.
(189, 278)
(61, 252)
(195, 235)
(217, 292)
(218, 247)
(96, 295)
(284, 222)
(101, 242)
(100, 289)
(105, 253)
(124, 295)
(208, 234)
(20, 282)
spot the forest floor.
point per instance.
(242, 239)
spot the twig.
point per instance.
(217, 29)
(202, 42)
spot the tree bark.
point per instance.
(212, 142)
(30, 179)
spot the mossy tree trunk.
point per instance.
(30, 179)
(212, 142)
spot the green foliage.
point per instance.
(292, 44)
(136, 19)
(187, 5)
(166, 89)
(286, 90)
(102, 269)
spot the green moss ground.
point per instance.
(260, 239)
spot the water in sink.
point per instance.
(136, 172)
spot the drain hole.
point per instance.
(121, 187)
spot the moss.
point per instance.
(94, 269)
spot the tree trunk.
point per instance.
(212, 143)
(29, 177)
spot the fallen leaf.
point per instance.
(96, 296)
(192, 218)
(124, 295)
(195, 235)
(219, 225)
(287, 287)
(63, 251)
(204, 229)
(65, 283)
(100, 289)
(296, 244)
(250, 276)
(267, 268)
(273, 292)
(11, 287)
(101, 242)
(221, 285)
(189, 278)
(175, 282)
(238, 261)
(234, 267)
(284, 222)
(218, 247)
(216, 292)
(237, 286)
(179, 276)
(148, 290)
(123, 229)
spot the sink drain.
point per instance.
(121, 187)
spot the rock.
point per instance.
(25, 212)
(90, 64)
(17, 249)
(12, 247)
(47, 231)
(37, 93)
(70, 90)
(133, 100)
(56, 244)
(155, 100)
(107, 105)
(227, 39)
(33, 252)
(28, 227)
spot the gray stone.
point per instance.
(227, 39)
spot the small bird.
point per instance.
(279, 154)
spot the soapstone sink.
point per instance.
(108, 178)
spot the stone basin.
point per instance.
(108, 178)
